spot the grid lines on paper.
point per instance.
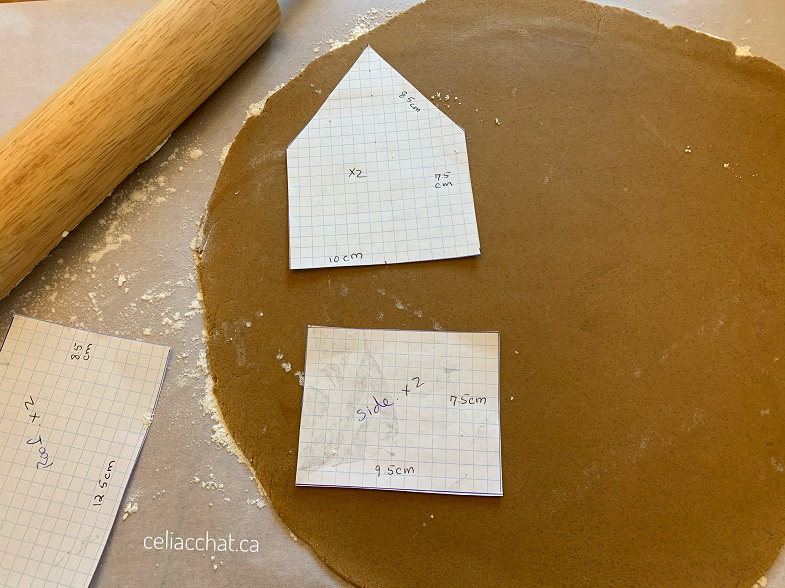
(401, 410)
(88, 410)
(366, 177)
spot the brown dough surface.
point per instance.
(631, 213)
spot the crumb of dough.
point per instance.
(257, 502)
(195, 153)
(130, 508)
(212, 485)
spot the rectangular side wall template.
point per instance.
(401, 410)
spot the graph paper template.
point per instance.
(401, 410)
(75, 410)
(379, 175)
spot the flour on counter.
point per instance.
(114, 236)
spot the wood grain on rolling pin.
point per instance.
(63, 159)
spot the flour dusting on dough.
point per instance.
(224, 153)
(256, 108)
(364, 23)
(220, 434)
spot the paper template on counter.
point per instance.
(401, 410)
(75, 410)
(379, 175)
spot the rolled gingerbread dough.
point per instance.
(630, 196)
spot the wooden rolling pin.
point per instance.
(64, 158)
